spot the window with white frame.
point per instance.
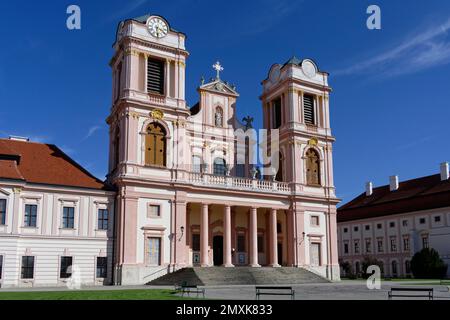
(356, 246)
(380, 245)
(405, 243)
(68, 217)
(393, 244)
(65, 268)
(315, 254)
(30, 215)
(154, 251)
(368, 245)
(102, 219)
(346, 247)
(27, 270)
(1, 266)
(315, 221)
(425, 243)
(102, 267)
(154, 211)
(2, 211)
(196, 164)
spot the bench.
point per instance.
(275, 291)
(409, 293)
(186, 289)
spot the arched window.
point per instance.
(394, 268)
(312, 167)
(218, 117)
(196, 164)
(155, 145)
(407, 266)
(220, 167)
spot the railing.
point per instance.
(238, 183)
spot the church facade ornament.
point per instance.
(157, 114)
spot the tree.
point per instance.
(369, 261)
(426, 264)
(346, 268)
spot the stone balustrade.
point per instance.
(240, 183)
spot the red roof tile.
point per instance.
(8, 170)
(412, 195)
(43, 164)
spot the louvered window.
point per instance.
(276, 113)
(308, 109)
(155, 76)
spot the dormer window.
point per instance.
(308, 109)
(155, 76)
(218, 117)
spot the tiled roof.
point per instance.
(412, 195)
(43, 164)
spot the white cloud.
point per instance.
(91, 131)
(420, 51)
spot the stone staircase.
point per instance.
(239, 276)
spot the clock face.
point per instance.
(157, 27)
(309, 69)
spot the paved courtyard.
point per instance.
(344, 290)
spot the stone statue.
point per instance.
(248, 122)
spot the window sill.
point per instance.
(155, 166)
(29, 227)
(62, 228)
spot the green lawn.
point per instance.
(137, 294)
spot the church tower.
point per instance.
(146, 121)
(295, 101)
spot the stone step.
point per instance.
(239, 276)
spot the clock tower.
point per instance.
(148, 114)
(295, 101)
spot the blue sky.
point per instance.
(390, 102)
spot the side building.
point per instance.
(393, 222)
(56, 219)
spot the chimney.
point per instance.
(393, 183)
(444, 171)
(17, 138)
(369, 188)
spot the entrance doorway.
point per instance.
(280, 253)
(218, 250)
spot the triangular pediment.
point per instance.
(220, 87)
(4, 192)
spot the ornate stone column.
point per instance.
(273, 238)
(204, 259)
(254, 237)
(227, 237)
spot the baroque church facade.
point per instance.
(183, 188)
(183, 198)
